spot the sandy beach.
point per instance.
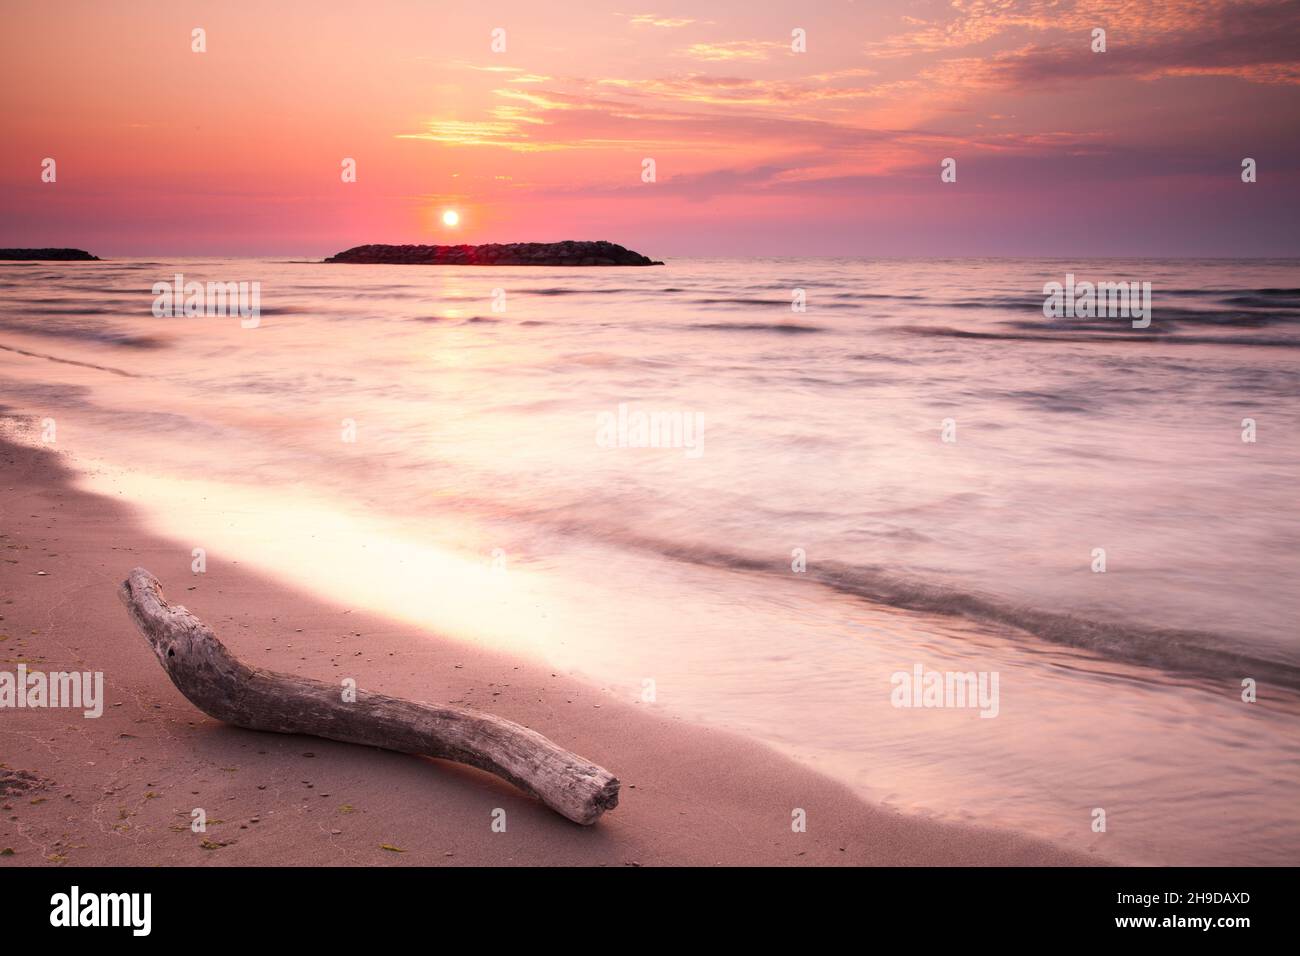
(120, 789)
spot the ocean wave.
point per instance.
(61, 308)
(82, 331)
(565, 290)
(1261, 301)
(784, 328)
(1034, 304)
(1227, 307)
(741, 300)
(1135, 336)
(1164, 320)
(1202, 654)
(65, 361)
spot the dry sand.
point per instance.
(119, 790)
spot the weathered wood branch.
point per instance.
(222, 686)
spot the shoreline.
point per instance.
(120, 789)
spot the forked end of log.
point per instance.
(223, 687)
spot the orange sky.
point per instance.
(758, 149)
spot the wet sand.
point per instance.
(120, 789)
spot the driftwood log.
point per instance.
(222, 686)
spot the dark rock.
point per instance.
(567, 253)
(59, 255)
(15, 783)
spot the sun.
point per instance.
(451, 218)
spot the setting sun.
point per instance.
(450, 218)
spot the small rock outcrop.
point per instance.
(55, 255)
(568, 253)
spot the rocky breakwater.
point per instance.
(49, 255)
(568, 253)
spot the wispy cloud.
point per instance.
(654, 20)
(1042, 41)
(752, 50)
